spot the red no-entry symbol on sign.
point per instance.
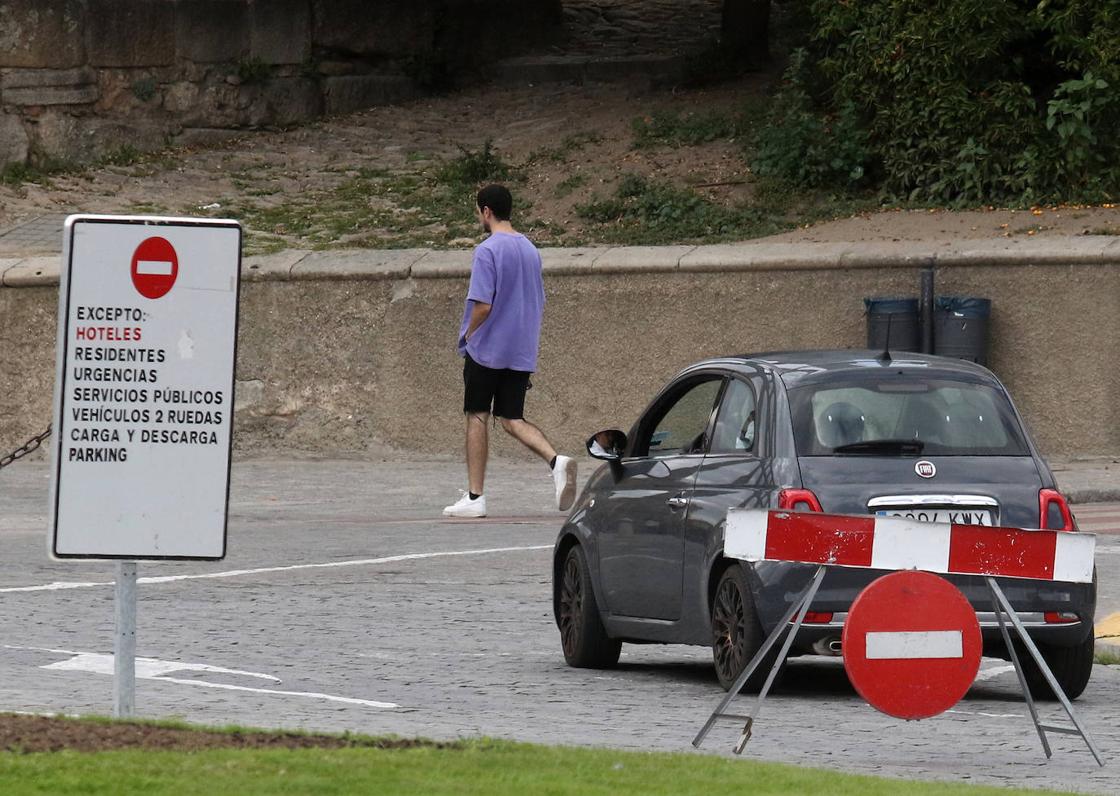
(912, 644)
(155, 266)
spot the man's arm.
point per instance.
(479, 313)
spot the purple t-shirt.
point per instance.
(506, 274)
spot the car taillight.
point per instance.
(798, 500)
(1052, 499)
(1059, 617)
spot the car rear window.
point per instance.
(931, 416)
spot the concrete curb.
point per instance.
(1092, 495)
(1108, 646)
(32, 272)
(396, 264)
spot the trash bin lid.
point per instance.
(965, 306)
(887, 305)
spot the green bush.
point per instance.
(806, 148)
(955, 101)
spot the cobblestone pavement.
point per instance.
(462, 644)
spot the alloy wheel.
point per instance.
(729, 630)
(571, 605)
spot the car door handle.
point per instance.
(677, 502)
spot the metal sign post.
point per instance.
(124, 644)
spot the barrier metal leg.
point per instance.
(800, 607)
(1005, 606)
(1019, 671)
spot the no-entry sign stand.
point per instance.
(885, 641)
(143, 403)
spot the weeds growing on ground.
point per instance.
(570, 184)
(649, 211)
(569, 146)
(472, 168)
(429, 205)
(662, 128)
(1106, 657)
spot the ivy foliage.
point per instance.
(953, 101)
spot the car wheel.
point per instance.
(1072, 667)
(736, 632)
(582, 635)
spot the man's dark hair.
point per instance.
(498, 199)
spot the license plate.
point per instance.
(957, 516)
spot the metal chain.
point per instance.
(24, 449)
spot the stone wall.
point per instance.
(340, 351)
(83, 78)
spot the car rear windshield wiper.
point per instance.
(895, 446)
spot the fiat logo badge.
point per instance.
(925, 469)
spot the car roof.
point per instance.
(794, 366)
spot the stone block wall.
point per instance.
(82, 78)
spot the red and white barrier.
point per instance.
(897, 543)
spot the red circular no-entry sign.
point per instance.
(155, 266)
(912, 644)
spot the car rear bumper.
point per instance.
(779, 583)
(824, 638)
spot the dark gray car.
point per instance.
(640, 558)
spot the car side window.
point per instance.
(737, 425)
(682, 427)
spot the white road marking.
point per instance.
(897, 645)
(155, 669)
(236, 573)
(306, 694)
(146, 668)
(995, 671)
(986, 715)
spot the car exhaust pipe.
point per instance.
(827, 646)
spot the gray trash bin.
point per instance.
(900, 316)
(960, 327)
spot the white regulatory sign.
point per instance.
(143, 405)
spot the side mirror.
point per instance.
(607, 445)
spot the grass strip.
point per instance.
(473, 767)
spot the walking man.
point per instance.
(498, 340)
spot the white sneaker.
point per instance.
(465, 507)
(564, 476)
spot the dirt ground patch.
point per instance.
(380, 178)
(26, 734)
(371, 178)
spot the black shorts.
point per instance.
(500, 392)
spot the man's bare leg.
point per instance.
(530, 436)
(563, 467)
(478, 447)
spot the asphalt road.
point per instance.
(346, 604)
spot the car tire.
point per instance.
(583, 638)
(736, 632)
(1072, 667)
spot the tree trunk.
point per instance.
(745, 29)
